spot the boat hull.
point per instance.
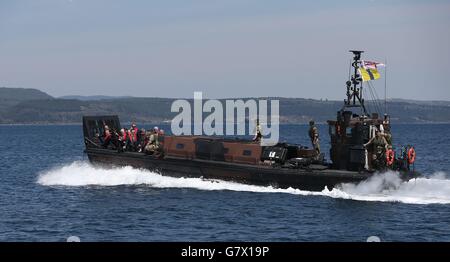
(315, 178)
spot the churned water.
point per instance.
(49, 191)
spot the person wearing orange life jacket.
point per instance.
(132, 139)
(127, 139)
(133, 136)
(105, 139)
(134, 128)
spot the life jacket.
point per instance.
(133, 135)
(107, 135)
(129, 135)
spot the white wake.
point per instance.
(386, 187)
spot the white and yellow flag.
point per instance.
(369, 70)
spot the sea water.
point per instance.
(49, 192)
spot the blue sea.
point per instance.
(49, 192)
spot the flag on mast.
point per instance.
(368, 74)
(369, 70)
(371, 64)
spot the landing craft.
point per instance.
(360, 147)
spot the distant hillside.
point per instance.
(420, 102)
(33, 106)
(93, 98)
(8, 93)
(12, 96)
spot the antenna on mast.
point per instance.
(354, 85)
(385, 87)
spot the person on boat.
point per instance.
(105, 139)
(134, 127)
(258, 132)
(148, 134)
(386, 119)
(153, 143)
(133, 142)
(385, 132)
(161, 134)
(127, 139)
(378, 149)
(123, 139)
(314, 136)
(141, 140)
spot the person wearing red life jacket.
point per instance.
(134, 127)
(133, 139)
(105, 139)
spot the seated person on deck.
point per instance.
(105, 139)
(153, 142)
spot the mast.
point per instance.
(354, 86)
(385, 87)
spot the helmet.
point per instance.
(311, 122)
(156, 128)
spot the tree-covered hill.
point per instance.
(33, 106)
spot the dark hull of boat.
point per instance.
(315, 178)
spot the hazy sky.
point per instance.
(228, 48)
